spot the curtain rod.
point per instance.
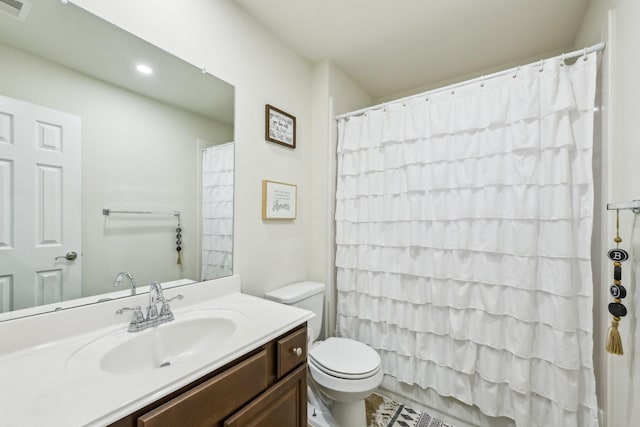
(569, 55)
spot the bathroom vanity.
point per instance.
(227, 359)
(267, 387)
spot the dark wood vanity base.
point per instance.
(265, 388)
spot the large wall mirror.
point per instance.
(115, 157)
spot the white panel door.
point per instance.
(39, 205)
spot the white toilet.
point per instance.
(344, 370)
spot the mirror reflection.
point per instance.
(116, 161)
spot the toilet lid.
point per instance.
(345, 358)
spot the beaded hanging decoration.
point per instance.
(179, 242)
(618, 292)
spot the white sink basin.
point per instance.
(191, 334)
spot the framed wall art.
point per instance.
(279, 200)
(280, 127)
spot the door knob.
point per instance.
(70, 256)
(297, 351)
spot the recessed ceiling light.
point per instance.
(144, 69)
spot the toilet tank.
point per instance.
(306, 295)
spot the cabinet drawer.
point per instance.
(212, 401)
(283, 405)
(286, 350)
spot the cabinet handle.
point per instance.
(297, 351)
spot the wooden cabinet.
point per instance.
(283, 405)
(265, 388)
(291, 349)
(215, 399)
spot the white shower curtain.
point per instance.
(463, 232)
(217, 211)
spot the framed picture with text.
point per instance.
(280, 127)
(279, 200)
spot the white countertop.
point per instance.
(37, 388)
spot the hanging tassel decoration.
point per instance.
(614, 341)
(179, 242)
(618, 292)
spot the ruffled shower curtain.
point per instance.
(463, 232)
(217, 211)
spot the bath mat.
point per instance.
(385, 412)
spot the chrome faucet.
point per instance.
(155, 296)
(139, 322)
(129, 276)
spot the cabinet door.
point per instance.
(214, 400)
(283, 405)
(292, 351)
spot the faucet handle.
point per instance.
(137, 309)
(165, 310)
(178, 297)
(138, 318)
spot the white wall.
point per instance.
(137, 154)
(219, 36)
(333, 93)
(616, 23)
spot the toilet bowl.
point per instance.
(343, 370)
(346, 372)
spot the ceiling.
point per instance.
(392, 47)
(70, 36)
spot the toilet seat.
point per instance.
(344, 389)
(345, 358)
